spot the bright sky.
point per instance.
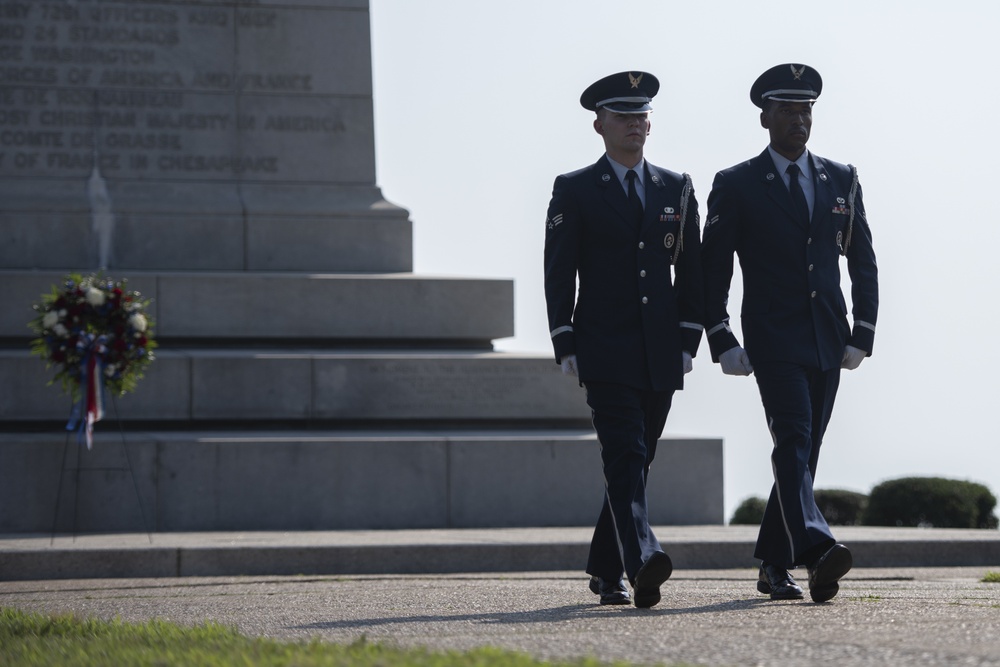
(477, 111)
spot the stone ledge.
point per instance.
(300, 385)
(226, 305)
(284, 480)
(41, 556)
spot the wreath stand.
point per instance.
(76, 499)
(96, 325)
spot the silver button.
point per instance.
(809, 240)
(642, 274)
(645, 300)
(641, 245)
(810, 267)
(813, 295)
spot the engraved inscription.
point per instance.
(143, 90)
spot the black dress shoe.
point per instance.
(826, 572)
(653, 572)
(611, 592)
(778, 583)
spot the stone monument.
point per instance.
(219, 154)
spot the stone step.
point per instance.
(240, 306)
(335, 480)
(185, 386)
(36, 557)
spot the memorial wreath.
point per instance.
(96, 333)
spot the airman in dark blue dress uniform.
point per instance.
(627, 232)
(790, 216)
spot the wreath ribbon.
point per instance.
(89, 408)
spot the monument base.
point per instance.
(221, 159)
(332, 480)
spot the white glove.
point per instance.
(688, 363)
(735, 361)
(852, 358)
(568, 364)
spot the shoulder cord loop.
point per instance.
(685, 196)
(850, 203)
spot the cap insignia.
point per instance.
(797, 73)
(634, 80)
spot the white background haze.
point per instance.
(477, 111)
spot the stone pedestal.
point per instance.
(220, 156)
(234, 136)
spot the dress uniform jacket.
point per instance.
(631, 318)
(793, 306)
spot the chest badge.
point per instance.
(668, 241)
(669, 215)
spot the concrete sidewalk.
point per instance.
(940, 617)
(450, 551)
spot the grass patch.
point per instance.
(867, 598)
(991, 577)
(28, 639)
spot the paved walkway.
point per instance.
(915, 597)
(927, 616)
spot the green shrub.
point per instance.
(930, 501)
(840, 507)
(749, 512)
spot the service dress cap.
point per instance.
(625, 92)
(787, 83)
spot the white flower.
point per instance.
(95, 297)
(138, 321)
(60, 330)
(50, 319)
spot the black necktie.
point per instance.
(798, 197)
(635, 204)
